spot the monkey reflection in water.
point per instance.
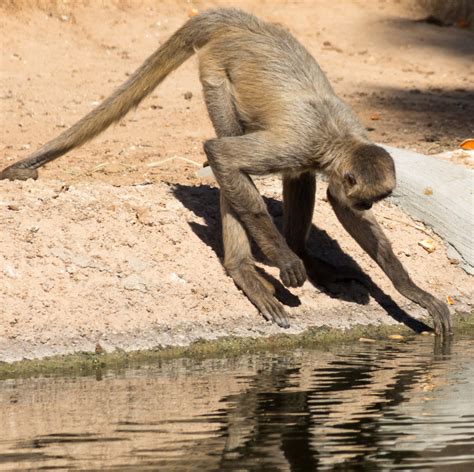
(274, 111)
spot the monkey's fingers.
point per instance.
(260, 293)
(272, 310)
(17, 173)
(439, 311)
(293, 273)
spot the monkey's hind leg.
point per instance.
(240, 265)
(238, 260)
(298, 206)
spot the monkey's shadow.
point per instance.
(203, 201)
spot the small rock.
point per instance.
(366, 340)
(188, 95)
(176, 278)
(134, 282)
(13, 207)
(144, 216)
(9, 272)
(396, 337)
(427, 245)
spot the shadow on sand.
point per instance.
(203, 201)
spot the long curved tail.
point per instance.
(195, 33)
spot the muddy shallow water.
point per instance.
(400, 406)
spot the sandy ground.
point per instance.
(118, 242)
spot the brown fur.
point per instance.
(274, 111)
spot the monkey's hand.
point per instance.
(439, 311)
(18, 173)
(292, 272)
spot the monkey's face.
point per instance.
(358, 194)
(364, 178)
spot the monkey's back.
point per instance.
(270, 73)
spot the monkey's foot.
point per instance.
(18, 173)
(260, 292)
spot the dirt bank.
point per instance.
(136, 267)
(118, 242)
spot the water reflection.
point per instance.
(364, 407)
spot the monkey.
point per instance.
(274, 112)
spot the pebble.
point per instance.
(396, 337)
(144, 216)
(9, 272)
(134, 282)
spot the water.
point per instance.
(384, 406)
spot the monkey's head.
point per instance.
(364, 177)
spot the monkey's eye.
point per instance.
(363, 205)
(350, 179)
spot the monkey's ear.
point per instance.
(350, 179)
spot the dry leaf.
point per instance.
(450, 300)
(396, 337)
(193, 12)
(375, 116)
(366, 340)
(427, 245)
(467, 144)
(428, 191)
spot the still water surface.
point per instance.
(385, 406)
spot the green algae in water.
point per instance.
(321, 338)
